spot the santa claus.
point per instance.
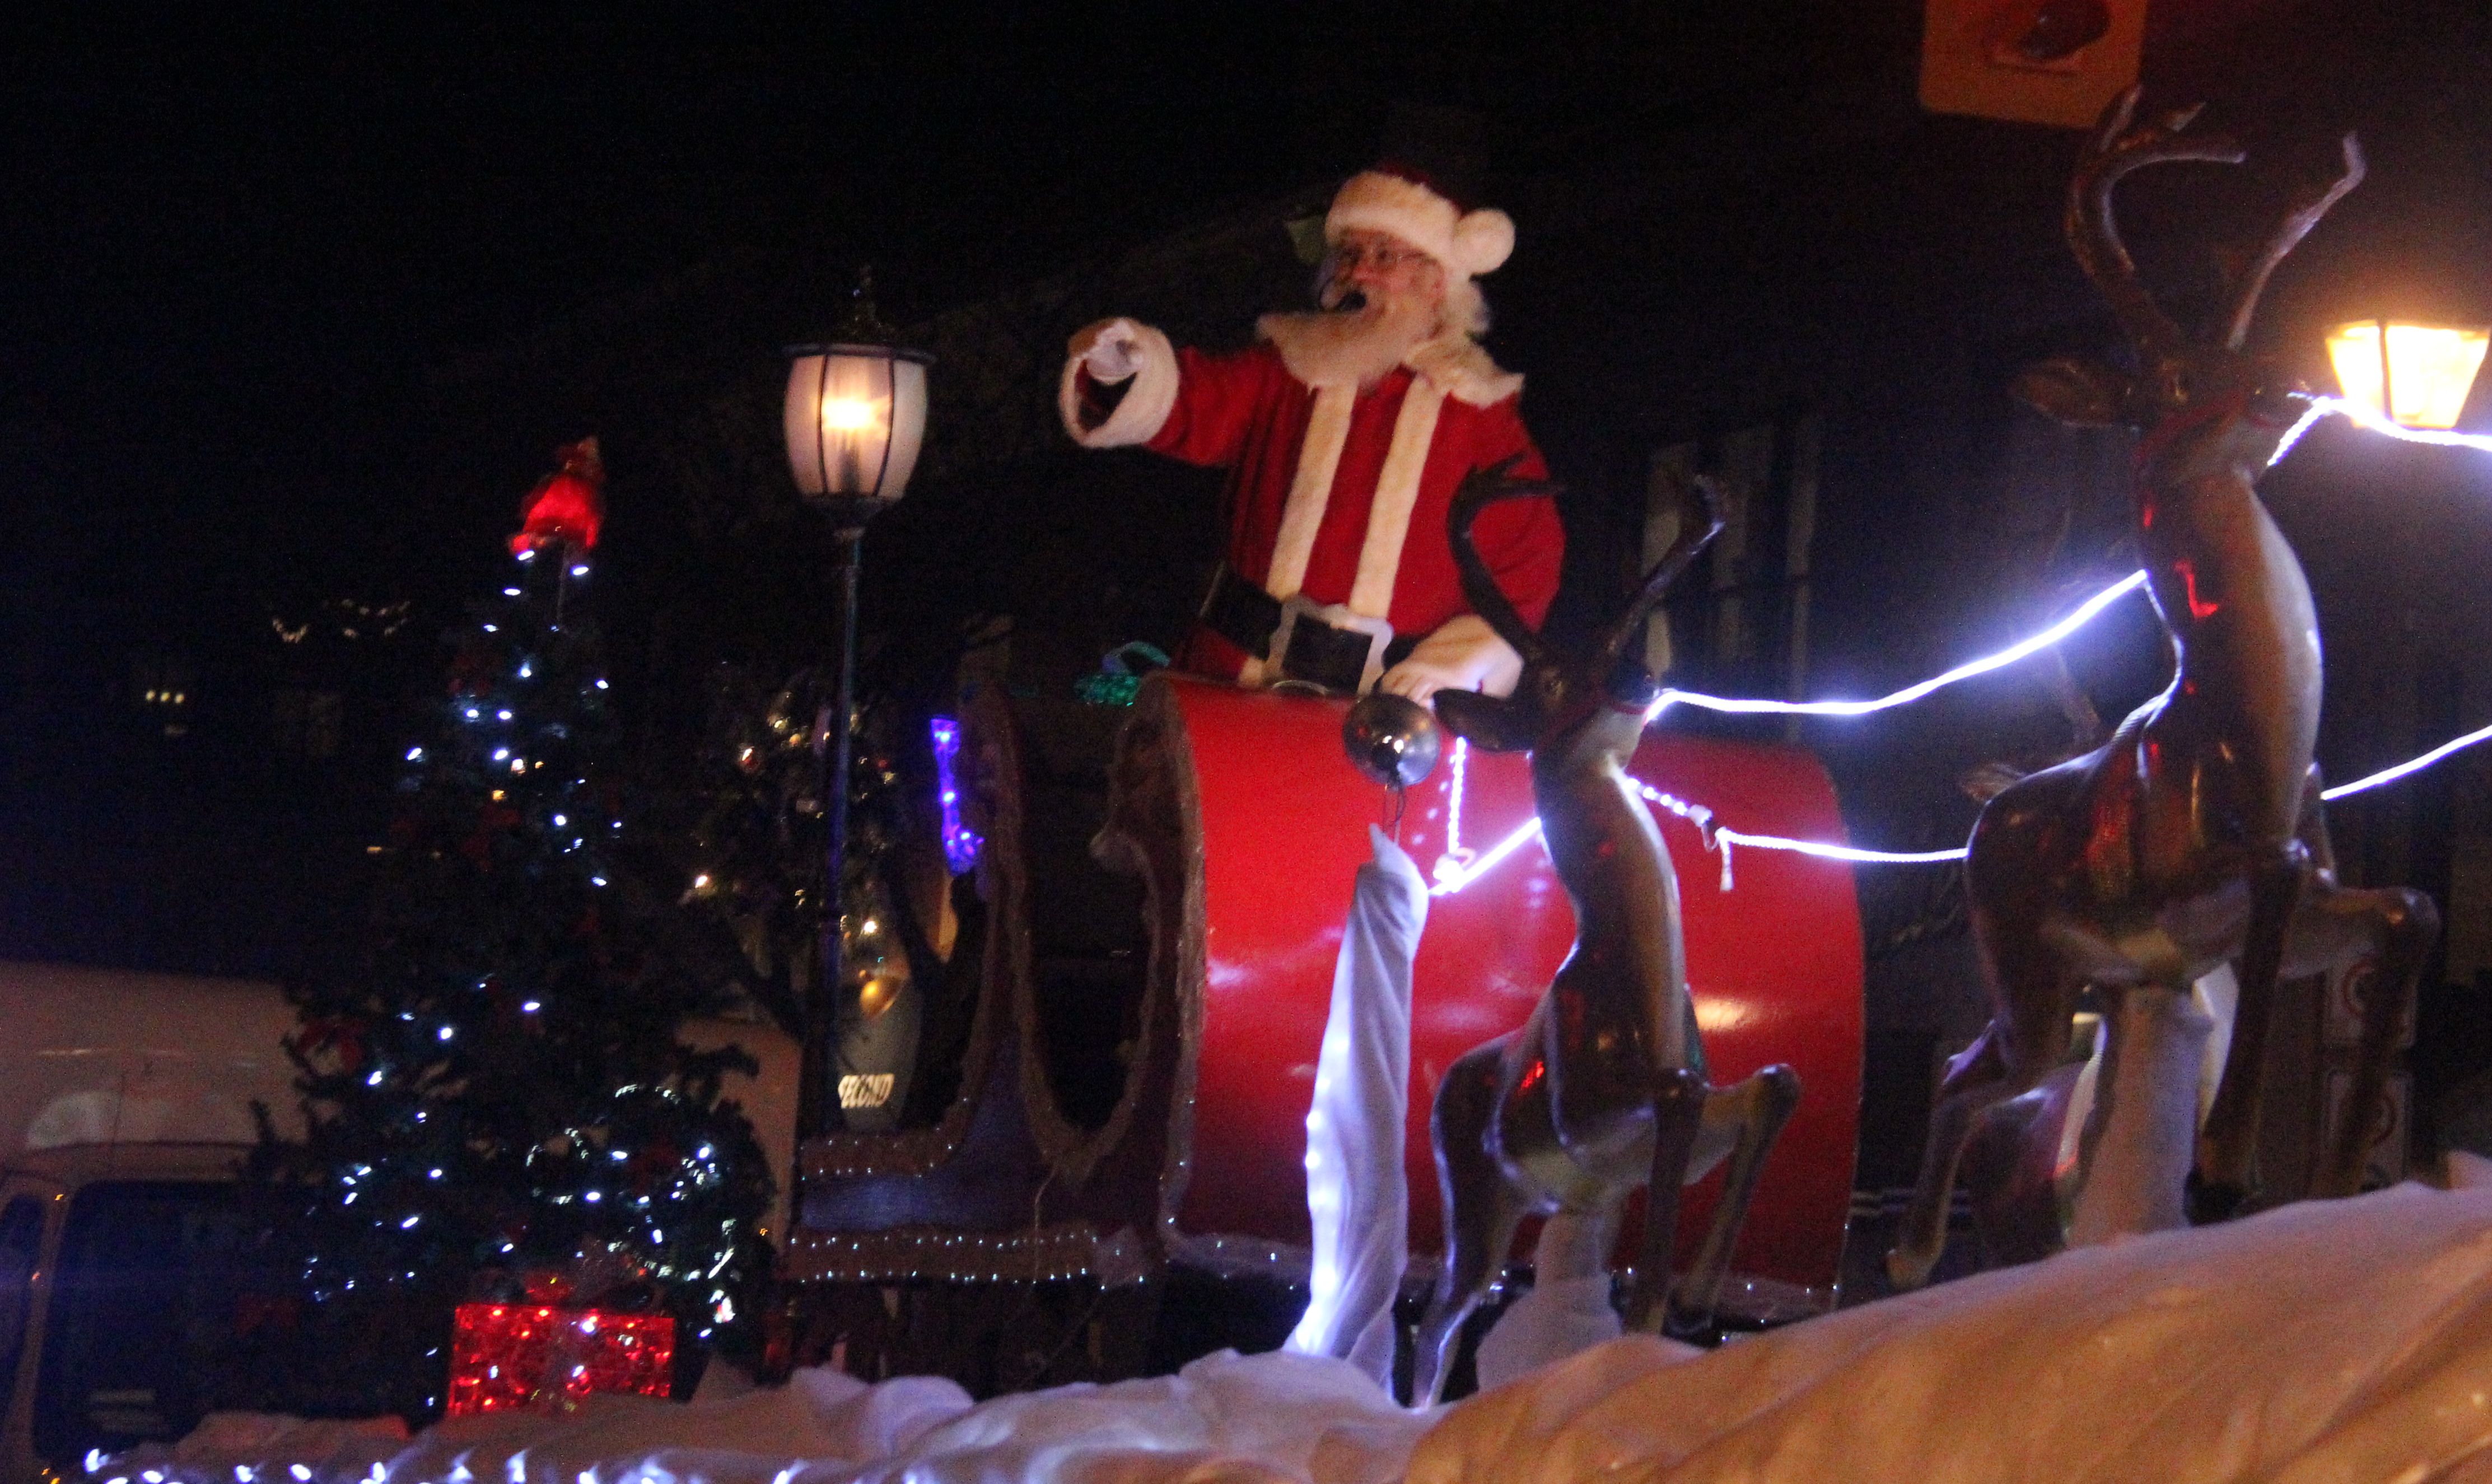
(1344, 433)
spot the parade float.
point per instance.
(2342, 1338)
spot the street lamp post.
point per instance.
(854, 418)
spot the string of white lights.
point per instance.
(2371, 420)
(2411, 765)
(1721, 839)
(2084, 615)
(1453, 875)
(1824, 851)
(1458, 867)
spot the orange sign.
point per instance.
(2030, 61)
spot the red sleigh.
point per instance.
(1243, 822)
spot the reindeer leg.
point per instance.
(1678, 1118)
(1975, 1079)
(2032, 988)
(1760, 1106)
(1481, 1211)
(2403, 924)
(2228, 1148)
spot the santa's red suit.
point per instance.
(1338, 494)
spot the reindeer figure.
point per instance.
(2187, 839)
(1603, 1088)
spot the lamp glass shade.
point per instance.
(855, 418)
(2417, 375)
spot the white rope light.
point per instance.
(1458, 867)
(1452, 874)
(2452, 746)
(2372, 421)
(2024, 649)
(1452, 877)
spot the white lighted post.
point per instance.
(2413, 375)
(855, 418)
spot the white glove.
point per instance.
(1417, 682)
(1108, 350)
(1463, 654)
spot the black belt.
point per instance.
(1318, 654)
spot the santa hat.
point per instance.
(1404, 202)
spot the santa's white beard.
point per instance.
(1363, 344)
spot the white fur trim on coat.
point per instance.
(1457, 364)
(1397, 491)
(1452, 360)
(1143, 412)
(1310, 489)
(1468, 244)
(1463, 654)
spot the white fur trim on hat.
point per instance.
(1468, 244)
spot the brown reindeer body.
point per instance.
(2136, 858)
(1602, 1091)
(2189, 839)
(1573, 1101)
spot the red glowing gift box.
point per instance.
(506, 1357)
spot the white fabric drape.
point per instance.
(1357, 1198)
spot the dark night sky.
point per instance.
(239, 245)
(235, 244)
(228, 244)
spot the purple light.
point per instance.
(960, 844)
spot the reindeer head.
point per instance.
(2244, 402)
(1560, 694)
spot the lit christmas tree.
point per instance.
(499, 1090)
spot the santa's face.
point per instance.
(1373, 269)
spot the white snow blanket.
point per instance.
(1226, 1419)
(2340, 1340)
(2343, 1341)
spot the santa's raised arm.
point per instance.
(1344, 433)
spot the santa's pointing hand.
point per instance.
(1109, 349)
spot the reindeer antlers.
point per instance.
(2312, 204)
(1479, 489)
(2093, 234)
(1694, 536)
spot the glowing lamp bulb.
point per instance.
(846, 414)
(2415, 376)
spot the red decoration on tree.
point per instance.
(567, 506)
(507, 1356)
(336, 1035)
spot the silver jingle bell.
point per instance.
(1391, 738)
